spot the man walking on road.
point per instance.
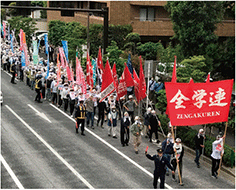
(199, 145)
(160, 167)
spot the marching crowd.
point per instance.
(87, 109)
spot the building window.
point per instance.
(147, 14)
(67, 4)
(54, 4)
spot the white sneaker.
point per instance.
(95, 117)
(71, 116)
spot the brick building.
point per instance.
(148, 18)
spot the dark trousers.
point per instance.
(27, 81)
(21, 75)
(162, 179)
(90, 116)
(131, 114)
(151, 132)
(65, 104)
(13, 77)
(174, 164)
(215, 166)
(43, 91)
(198, 154)
(124, 135)
(38, 97)
(80, 121)
(60, 100)
(54, 97)
(72, 106)
(101, 117)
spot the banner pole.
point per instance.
(226, 125)
(203, 141)
(180, 180)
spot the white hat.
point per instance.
(169, 135)
(153, 111)
(178, 140)
(130, 96)
(201, 130)
(136, 118)
(149, 109)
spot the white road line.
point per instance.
(113, 148)
(9, 74)
(15, 179)
(40, 114)
(52, 150)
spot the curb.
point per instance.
(204, 158)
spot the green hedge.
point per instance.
(187, 135)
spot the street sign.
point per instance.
(150, 69)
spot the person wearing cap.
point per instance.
(48, 88)
(54, 90)
(147, 116)
(130, 106)
(179, 151)
(199, 138)
(217, 153)
(124, 129)
(167, 148)
(154, 122)
(72, 101)
(13, 72)
(112, 122)
(65, 96)
(136, 129)
(38, 87)
(80, 112)
(160, 167)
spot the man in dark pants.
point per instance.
(80, 117)
(13, 72)
(199, 145)
(38, 87)
(101, 112)
(160, 167)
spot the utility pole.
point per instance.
(88, 44)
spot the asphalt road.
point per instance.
(39, 153)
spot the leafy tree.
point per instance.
(192, 68)
(118, 33)
(194, 23)
(161, 101)
(3, 14)
(56, 32)
(27, 24)
(41, 4)
(12, 12)
(132, 40)
(114, 53)
(148, 50)
(95, 38)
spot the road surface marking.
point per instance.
(9, 170)
(40, 114)
(113, 148)
(52, 150)
(9, 74)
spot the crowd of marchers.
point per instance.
(90, 111)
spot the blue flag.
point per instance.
(22, 59)
(94, 65)
(46, 43)
(2, 29)
(129, 65)
(65, 47)
(12, 43)
(47, 70)
(38, 44)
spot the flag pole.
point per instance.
(203, 141)
(180, 180)
(226, 125)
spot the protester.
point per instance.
(38, 87)
(160, 167)
(136, 129)
(101, 112)
(54, 90)
(179, 151)
(80, 117)
(147, 116)
(130, 107)
(65, 96)
(72, 101)
(153, 126)
(167, 148)
(13, 72)
(124, 129)
(112, 122)
(90, 115)
(217, 153)
(199, 138)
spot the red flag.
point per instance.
(80, 79)
(68, 73)
(142, 83)
(99, 61)
(198, 103)
(21, 39)
(122, 89)
(59, 69)
(136, 85)
(89, 70)
(208, 78)
(128, 77)
(174, 78)
(4, 29)
(62, 55)
(115, 76)
(107, 82)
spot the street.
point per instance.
(40, 146)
